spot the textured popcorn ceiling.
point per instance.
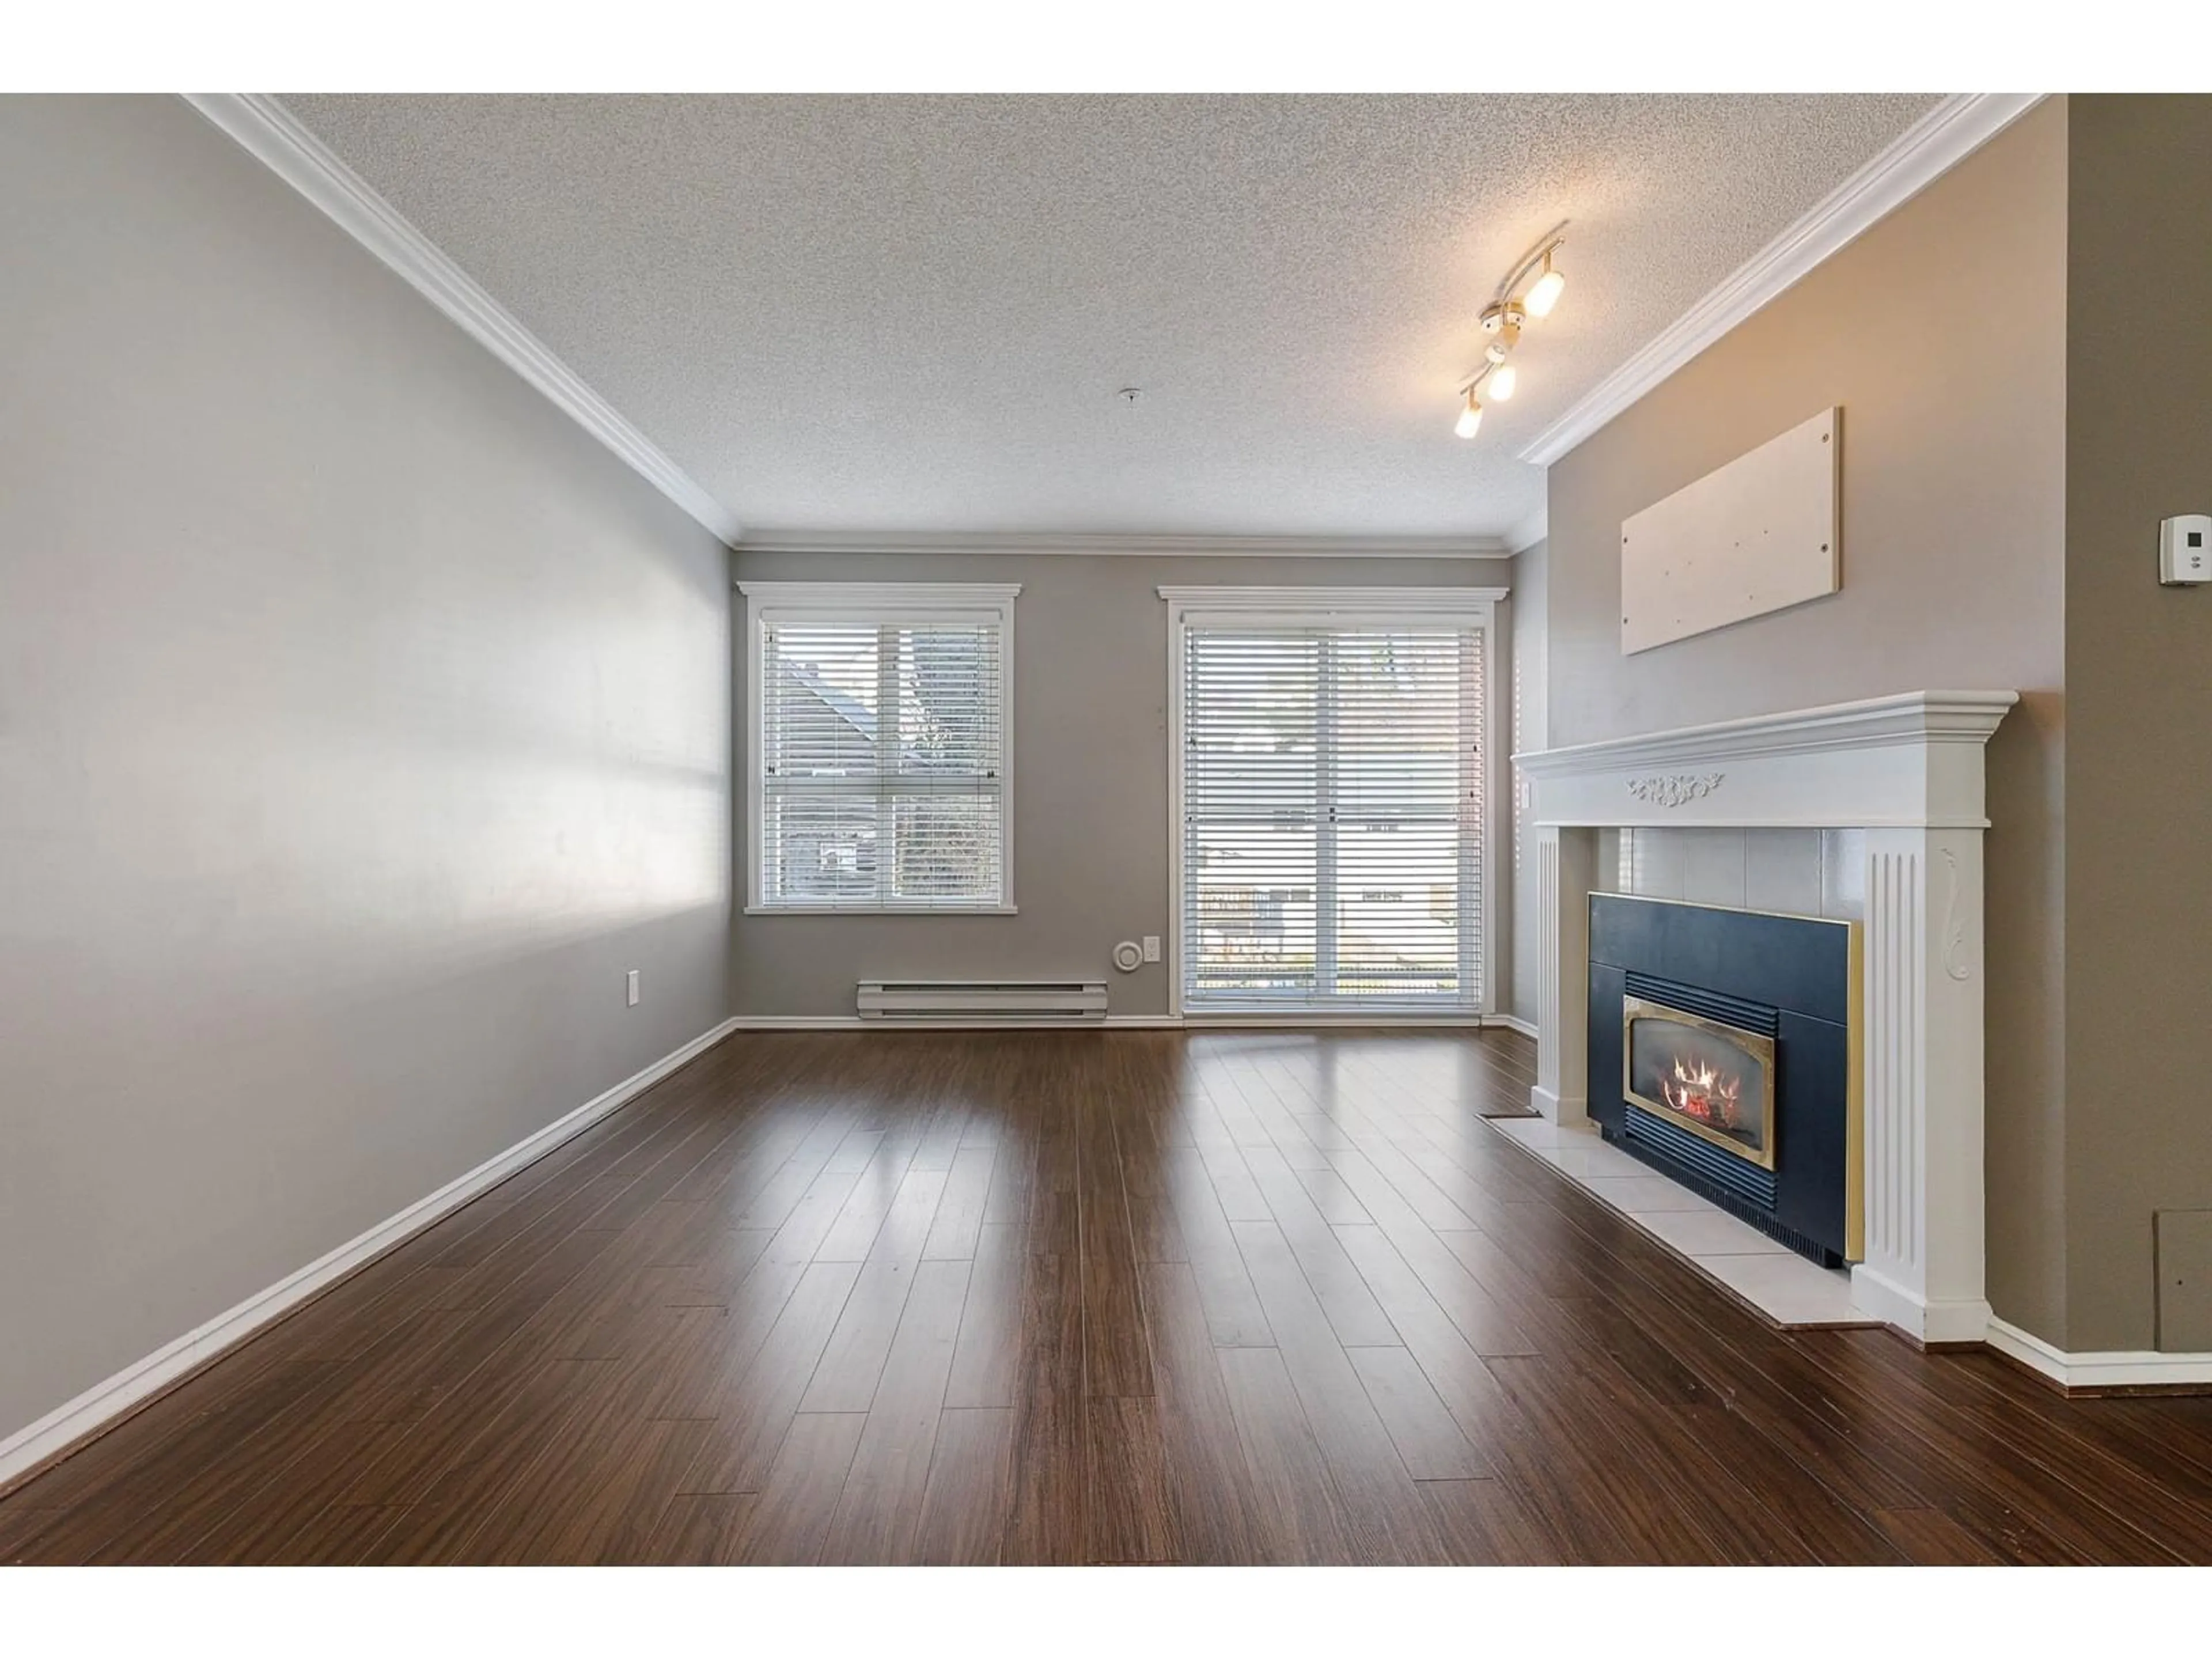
(902, 313)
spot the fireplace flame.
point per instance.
(1699, 1090)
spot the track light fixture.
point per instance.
(1504, 317)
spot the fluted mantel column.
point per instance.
(1922, 1049)
(1567, 860)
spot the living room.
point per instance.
(1062, 829)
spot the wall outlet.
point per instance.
(1151, 947)
(630, 985)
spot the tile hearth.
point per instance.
(1780, 1283)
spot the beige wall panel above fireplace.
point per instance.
(1757, 535)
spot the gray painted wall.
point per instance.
(1940, 332)
(1090, 775)
(2138, 681)
(361, 722)
(1531, 656)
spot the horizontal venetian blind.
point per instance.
(1332, 792)
(883, 764)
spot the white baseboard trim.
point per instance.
(1925, 1321)
(2116, 1369)
(1955, 1321)
(1891, 1303)
(855, 1023)
(1305, 1022)
(104, 1401)
(1332, 1021)
(1512, 1023)
(1556, 1107)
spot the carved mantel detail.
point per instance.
(1954, 930)
(1674, 789)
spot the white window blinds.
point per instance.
(881, 773)
(1333, 801)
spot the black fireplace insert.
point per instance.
(1722, 1053)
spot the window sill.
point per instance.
(882, 910)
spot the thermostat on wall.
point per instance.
(2184, 551)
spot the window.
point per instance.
(1330, 797)
(880, 735)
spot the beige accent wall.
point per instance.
(1090, 775)
(2139, 687)
(1940, 332)
(361, 722)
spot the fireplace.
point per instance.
(1729, 1036)
(1712, 1078)
(1904, 774)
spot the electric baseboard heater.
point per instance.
(917, 1002)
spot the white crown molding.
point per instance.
(2122, 1369)
(276, 139)
(1927, 149)
(950, 596)
(1394, 601)
(103, 1402)
(1530, 530)
(1095, 545)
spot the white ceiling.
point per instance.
(913, 314)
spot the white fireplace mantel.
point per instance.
(1907, 769)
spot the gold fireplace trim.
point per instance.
(1761, 1048)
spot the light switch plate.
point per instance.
(630, 985)
(1151, 947)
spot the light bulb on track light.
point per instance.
(1545, 293)
(1470, 418)
(1502, 381)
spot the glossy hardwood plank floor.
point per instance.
(1077, 1296)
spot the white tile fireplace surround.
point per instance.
(1905, 774)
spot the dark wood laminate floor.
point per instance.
(1090, 1297)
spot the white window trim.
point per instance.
(1474, 608)
(879, 602)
